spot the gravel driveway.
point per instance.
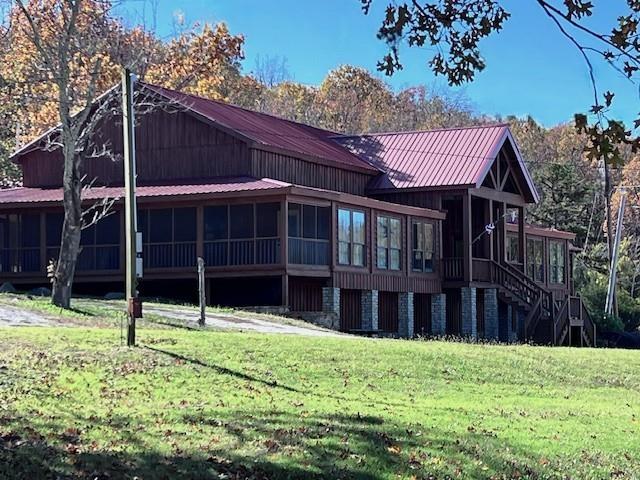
(230, 321)
(11, 315)
(14, 317)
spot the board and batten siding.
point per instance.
(298, 171)
(169, 146)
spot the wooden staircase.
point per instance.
(546, 323)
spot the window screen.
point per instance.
(241, 221)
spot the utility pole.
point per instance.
(613, 271)
(130, 215)
(202, 296)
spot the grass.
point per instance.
(206, 404)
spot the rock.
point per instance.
(40, 292)
(7, 287)
(114, 296)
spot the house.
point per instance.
(400, 233)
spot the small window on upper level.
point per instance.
(535, 259)
(556, 262)
(351, 237)
(423, 245)
(513, 245)
(388, 251)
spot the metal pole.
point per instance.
(613, 271)
(201, 291)
(129, 202)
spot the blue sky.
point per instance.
(531, 68)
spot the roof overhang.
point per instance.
(531, 194)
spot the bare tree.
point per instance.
(271, 70)
(72, 45)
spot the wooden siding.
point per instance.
(302, 172)
(305, 295)
(429, 199)
(390, 283)
(454, 312)
(350, 310)
(169, 146)
(388, 311)
(422, 314)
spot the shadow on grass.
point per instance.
(165, 323)
(222, 370)
(283, 444)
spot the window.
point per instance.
(512, 249)
(351, 237)
(168, 236)
(309, 230)
(241, 221)
(101, 245)
(243, 234)
(535, 259)
(556, 262)
(20, 243)
(423, 247)
(388, 243)
(267, 219)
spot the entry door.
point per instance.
(422, 314)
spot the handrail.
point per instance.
(561, 322)
(589, 325)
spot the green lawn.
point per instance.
(190, 404)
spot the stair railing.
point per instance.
(561, 323)
(539, 299)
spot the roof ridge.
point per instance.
(233, 105)
(444, 129)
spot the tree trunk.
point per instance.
(71, 231)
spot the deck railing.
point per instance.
(308, 251)
(255, 251)
(453, 268)
(17, 260)
(169, 254)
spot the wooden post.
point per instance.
(201, 291)
(521, 240)
(466, 236)
(129, 203)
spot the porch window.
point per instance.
(309, 227)
(423, 247)
(242, 234)
(20, 243)
(535, 259)
(556, 262)
(388, 243)
(351, 237)
(169, 237)
(512, 249)
(100, 245)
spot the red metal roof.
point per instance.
(434, 158)
(54, 195)
(269, 130)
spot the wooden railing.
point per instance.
(562, 323)
(589, 327)
(452, 268)
(308, 251)
(258, 251)
(169, 255)
(17, 260)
